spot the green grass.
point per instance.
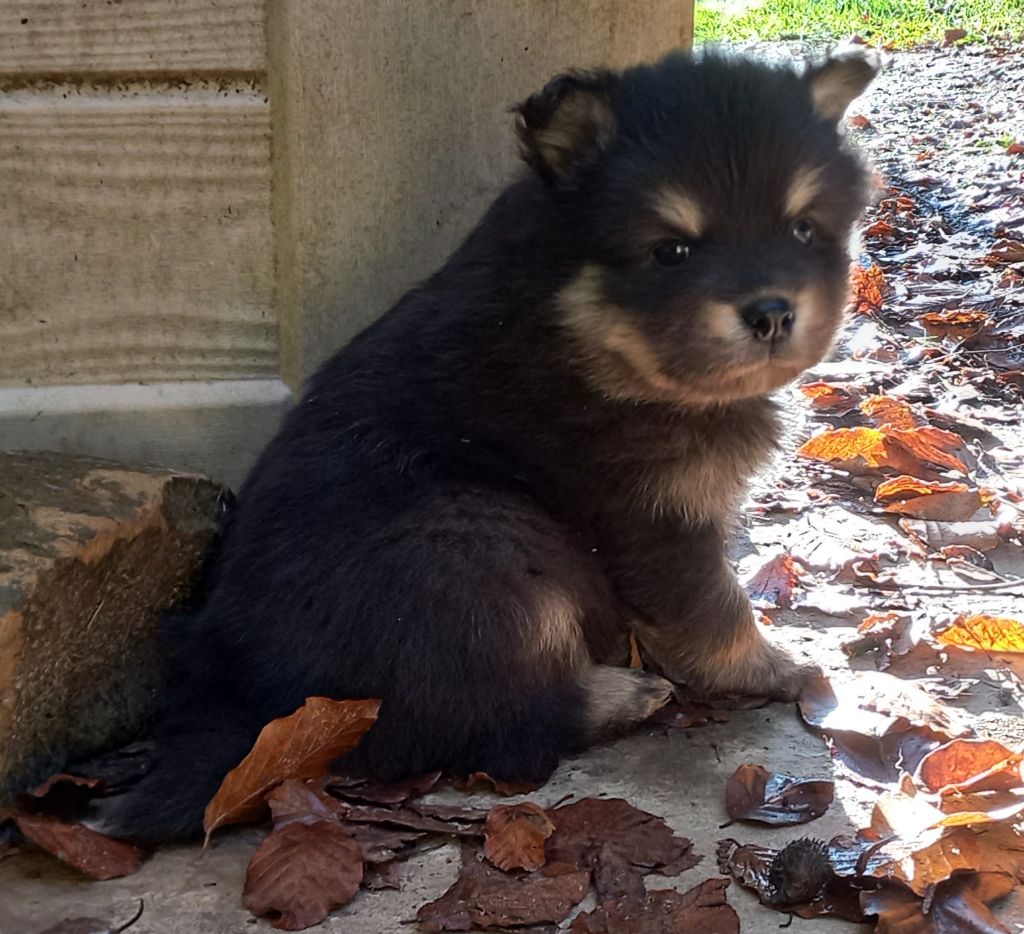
(900, 22)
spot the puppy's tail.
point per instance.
(156, 790)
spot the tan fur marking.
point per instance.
(704, 488)
(558, 633)
(619, 697)
(803, 190)
(679, 210)
(619, 359)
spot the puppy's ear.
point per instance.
(567, 124)
(840, 78)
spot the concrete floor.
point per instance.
(679, 776)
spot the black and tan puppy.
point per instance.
(538, 448)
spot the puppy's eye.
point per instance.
(671, 252)
(803, 230)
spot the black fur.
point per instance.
(455, 518)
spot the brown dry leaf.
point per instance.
(835, 398)
(867, 286)
(1005, 251)
(953, 35)
(301, 801)
(63, 778)
(302, 745)
(927, 859)
(970, 765)
(382, 845)
(929, 499)
(443, 819)
(301, 872)
(984, 632)
(484, 897)
(99, 857)
(377, 793)
(802, 878)
(884, 411)
(514, 836)
(958, 323)
(635, 659)
(703, 908)
(1015, 149)
(859, 121)
(958, 906)
(588, 831)
(878, 761)
(774, 583)
(918, 452)
(934, 536)
(753, 793)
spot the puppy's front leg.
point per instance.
(696, 622)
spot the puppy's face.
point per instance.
(708, 209)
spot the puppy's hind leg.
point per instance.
(617, 699)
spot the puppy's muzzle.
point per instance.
(769, 319)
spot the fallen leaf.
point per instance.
(953, 35)
(302, 745)
(874, 703)
(300, 801)
(301, 872)
(957, 323)
(773, 584)
(934, 536)
(859, 121)
(753, 793)
(381, 845)
(835, 398)
(970, 765)
(985, 633)
(923, 861)
(1015, 149)
(867, 286)
(928, 499)
(457, 824)
(590, 829)
(514, 836)
(1005, 251)
(377, 793)
(880, 228)
(918, 452)
(63, 778)
(958, 906)
(484, 897)
(885, 411)
(97, 856)
(703, 908)
(800, 879)
(878, 761)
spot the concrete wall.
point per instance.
(203, 192)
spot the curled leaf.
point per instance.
(302, 745)
(97, 856)
(753, 793)
(970, 765)
(514, 836)
(928, 499)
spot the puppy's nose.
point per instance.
(769, 318)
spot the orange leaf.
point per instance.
(928, 499)
(514, 836)
(885, 410)
(987, 633)
(302, 745)
(915, 451)
(99, 857)
(1015, 149)
(1005, 251)
(955, 323)
(830, 397)
(302, 871)
(970, 765)
(867, 285)
(859, 121)
(880, 228)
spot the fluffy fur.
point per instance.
(541, 445)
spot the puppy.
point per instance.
(541, 447)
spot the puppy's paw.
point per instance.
(764, 671)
